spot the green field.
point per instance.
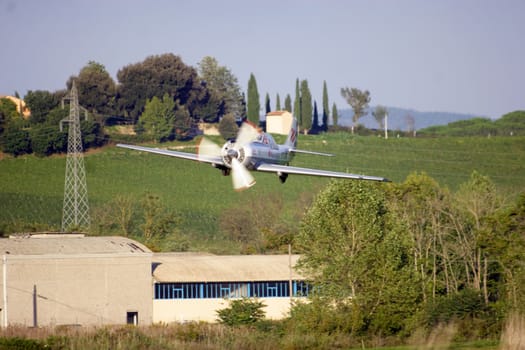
(31, 188)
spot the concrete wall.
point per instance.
(183, 310)
(86, 289)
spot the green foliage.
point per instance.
(335, 115)
(357, 263)
(48, 139)
(288, 103)
(297, 102)
(267, 106)
(158, 222)
(155, 77)
(358, 100)
(158, 119)
(96, 89)
(510, 124)
(41, 103)
(224, 87)
(466, 304)
(326, 107)
(228, 127)
(16, 343)
(306, 106)
(253, 103)
(242, 312)
(16, 141)
(7, 112)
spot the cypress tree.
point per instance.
(315, 124)
(277, 103)
(267, 103)
(253, 104)
(326, 108)
(335, 115)
(306, 106)
(288, 103)
(297, 102)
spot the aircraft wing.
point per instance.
(274, 168)
(183, 155)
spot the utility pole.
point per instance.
(75, 214)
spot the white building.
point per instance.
(279, 122)
(51, 279)
(71, 279)
(192, 287)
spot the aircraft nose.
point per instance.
(232, 153)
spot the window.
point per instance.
(219, 290)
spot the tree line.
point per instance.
(161, 97)
(391, 259)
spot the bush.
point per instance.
(16, 141)
(242, 312)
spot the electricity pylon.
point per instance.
(75, 214)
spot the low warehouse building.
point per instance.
(192, 287)
(51, 279)
(71, 279)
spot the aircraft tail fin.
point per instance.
(291, 140)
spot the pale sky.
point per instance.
(465, 56)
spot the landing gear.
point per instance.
(282, 177)
(224, 169)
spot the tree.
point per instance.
(267, 103)
(506, 248)
(96, 89)
(315, 124)
(335, 115)
(379, 115)
(16, 140)
(358, 100)
(474, 203)
(223, 85)
(156, 76)
(182, 122)
(7, 112)
(40, 103)
(355, 262)
(158, 119)
(277, 103)
(253, 103)
(158, 222)
(297, 102)
(47, 139)
(288, 103)
(228, 127)
(306, 106)
(326, 108)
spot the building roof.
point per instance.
(278, 113)
(177, 267)
(69, 244)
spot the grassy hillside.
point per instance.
(31, 188)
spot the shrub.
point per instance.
(242, 312)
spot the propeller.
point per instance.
(208, 149)
(241, 176)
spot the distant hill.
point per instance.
(397, 118)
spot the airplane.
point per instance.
(253, 150)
